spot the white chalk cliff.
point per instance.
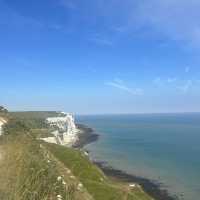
(2, 122)
(65, 130)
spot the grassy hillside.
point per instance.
(34, 114)
(34, 170)
(30, 172)
(97, 184)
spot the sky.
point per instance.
(100, 56)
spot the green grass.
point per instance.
(34, 114)
(26, 173)
(30, 168)
(97, 184)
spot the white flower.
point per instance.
(132, 185)
(59, 197)
(86, 153)
(64, 183)
(80, 185)
(59, 178)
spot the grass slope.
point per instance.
(97, 184)
(34, 170)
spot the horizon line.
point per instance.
(132, 113)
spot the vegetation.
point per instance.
(97, 184)
(3, 110)
(26, 173)
(29, 171)
(35, 170)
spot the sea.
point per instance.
(161, 147)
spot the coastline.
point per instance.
(86, 136)
(153, 188)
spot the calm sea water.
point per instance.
(161, 147)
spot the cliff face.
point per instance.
(66, 131)
(32, 169)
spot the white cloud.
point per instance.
(160, 82)
(176, 19)
(101, 41)
(184, 88)
(119, 85)
(121, 29)
(13, 18)
(157, 81)
(171, 80)
(117, 80)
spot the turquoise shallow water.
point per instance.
(161, 147)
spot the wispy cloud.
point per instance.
(160, 82)
(101, 41)
(184, 88)
(171, 80)
(157, 81)
(16, 20)
(169, 18)
(13, 18)
(119, 84)
(166, 19)
(120, 29)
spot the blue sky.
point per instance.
(97, 56)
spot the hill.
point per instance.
(34, 170)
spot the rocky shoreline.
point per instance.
(153, 188)
(86, 136)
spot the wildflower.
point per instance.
(86, 153)
(132, 185)
(59, 197)
(80, 185)
(59, 178)
(64, 183)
